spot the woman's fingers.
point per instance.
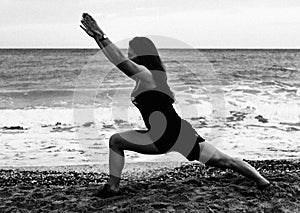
(86, 24)
(90, 25)
(89, 21)
(90, 33)
(87, 16)
(83, 28)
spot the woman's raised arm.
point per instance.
(113, 53)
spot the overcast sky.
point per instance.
(200, 23)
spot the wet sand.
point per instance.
(151, 187)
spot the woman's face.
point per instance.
(131, 54)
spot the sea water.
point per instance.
(60, 106)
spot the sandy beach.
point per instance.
(151, 187)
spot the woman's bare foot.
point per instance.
(107, 192)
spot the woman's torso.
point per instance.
(151, 100)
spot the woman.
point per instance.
(153, 97)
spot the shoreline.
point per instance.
(129, 168)
(190, 187)
(102, 167)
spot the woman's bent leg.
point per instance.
(137, 141)
(211, 156)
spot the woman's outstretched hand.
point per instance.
(90, 26)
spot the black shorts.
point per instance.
(178, 136)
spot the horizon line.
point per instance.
(200, 48)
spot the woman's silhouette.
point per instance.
(166, 131)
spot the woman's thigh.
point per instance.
(137, 141)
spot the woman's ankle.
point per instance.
(114, 182)
(263, 182)
(114, 188)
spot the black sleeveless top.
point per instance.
(152, 100)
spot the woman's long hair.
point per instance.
(147, 55)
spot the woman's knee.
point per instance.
(221, 162)
(114, 141)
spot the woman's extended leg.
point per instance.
(138, 141)
(211, 156)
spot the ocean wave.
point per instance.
(282, 68)
(63, 98)
(290, 124)
(51, 91)
(285, 129)
(14, 128)
(250, 91)
(170, 61)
